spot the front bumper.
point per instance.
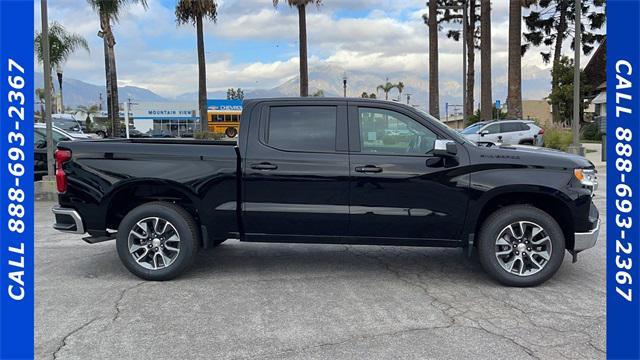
(586, 240)
(67, 220)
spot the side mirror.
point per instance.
(483, 132)
(445, 148)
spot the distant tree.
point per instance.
(455, 17)
(364, 95)
(194, 12)
(372, 96)
(400, 87)
(386, 88)
(302, 30)
(318, 93)
(562, 94)
(235, 94)
(551, 22)
(61, 45)
(40, 94)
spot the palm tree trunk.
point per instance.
(304, 70)
(514, 94)
(562, 27)
(486, 101)
(471, 49)
(54, 106)
(434, 88)
(113, 109)
(202, 78)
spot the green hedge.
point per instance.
(558, 139)
(206, 135)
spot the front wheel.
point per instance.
(157, 241)
(521, 245)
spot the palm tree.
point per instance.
(486, 100)
(40, 95)
(302, 28)
(400, 87)
(61, 45)
(194, 11)
(434, 89)
(386, 88)
(514, 91)
(109, 10)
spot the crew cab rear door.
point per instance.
(296, 171)
(399, 189)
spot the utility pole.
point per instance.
(576, 147)
(47, 87)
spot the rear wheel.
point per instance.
(157, 241)
(521, 245)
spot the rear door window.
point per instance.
(511, 127)
(302, 128)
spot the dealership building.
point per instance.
(178, 118)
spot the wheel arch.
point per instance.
(131, 194)
(548, 200)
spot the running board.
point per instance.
(100, 238)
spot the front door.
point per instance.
(297, 171)
(398, 188)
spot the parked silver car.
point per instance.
(524, 132)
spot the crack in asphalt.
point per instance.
(63, 342)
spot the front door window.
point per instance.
(385, 132)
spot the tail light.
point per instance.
(541, 132)
(61, 157)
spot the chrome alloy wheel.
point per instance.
(523, 248)
(154, 243)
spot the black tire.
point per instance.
(499, 220)
(184, 225)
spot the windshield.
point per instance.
(68, 125)
(452, 133)
(472, 129)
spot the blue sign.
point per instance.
(498, 104)
(16, 179)
(224, 105)
(623, 180)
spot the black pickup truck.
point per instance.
(348, 171)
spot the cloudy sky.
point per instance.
(254, 45)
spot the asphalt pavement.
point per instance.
(292, 301)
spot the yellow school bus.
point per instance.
(224, 116)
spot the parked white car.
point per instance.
(69, 124)
(515, 132)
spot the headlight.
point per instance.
(588, 178)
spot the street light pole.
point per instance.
(47, 87)
(344, 83)
(576, 147)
